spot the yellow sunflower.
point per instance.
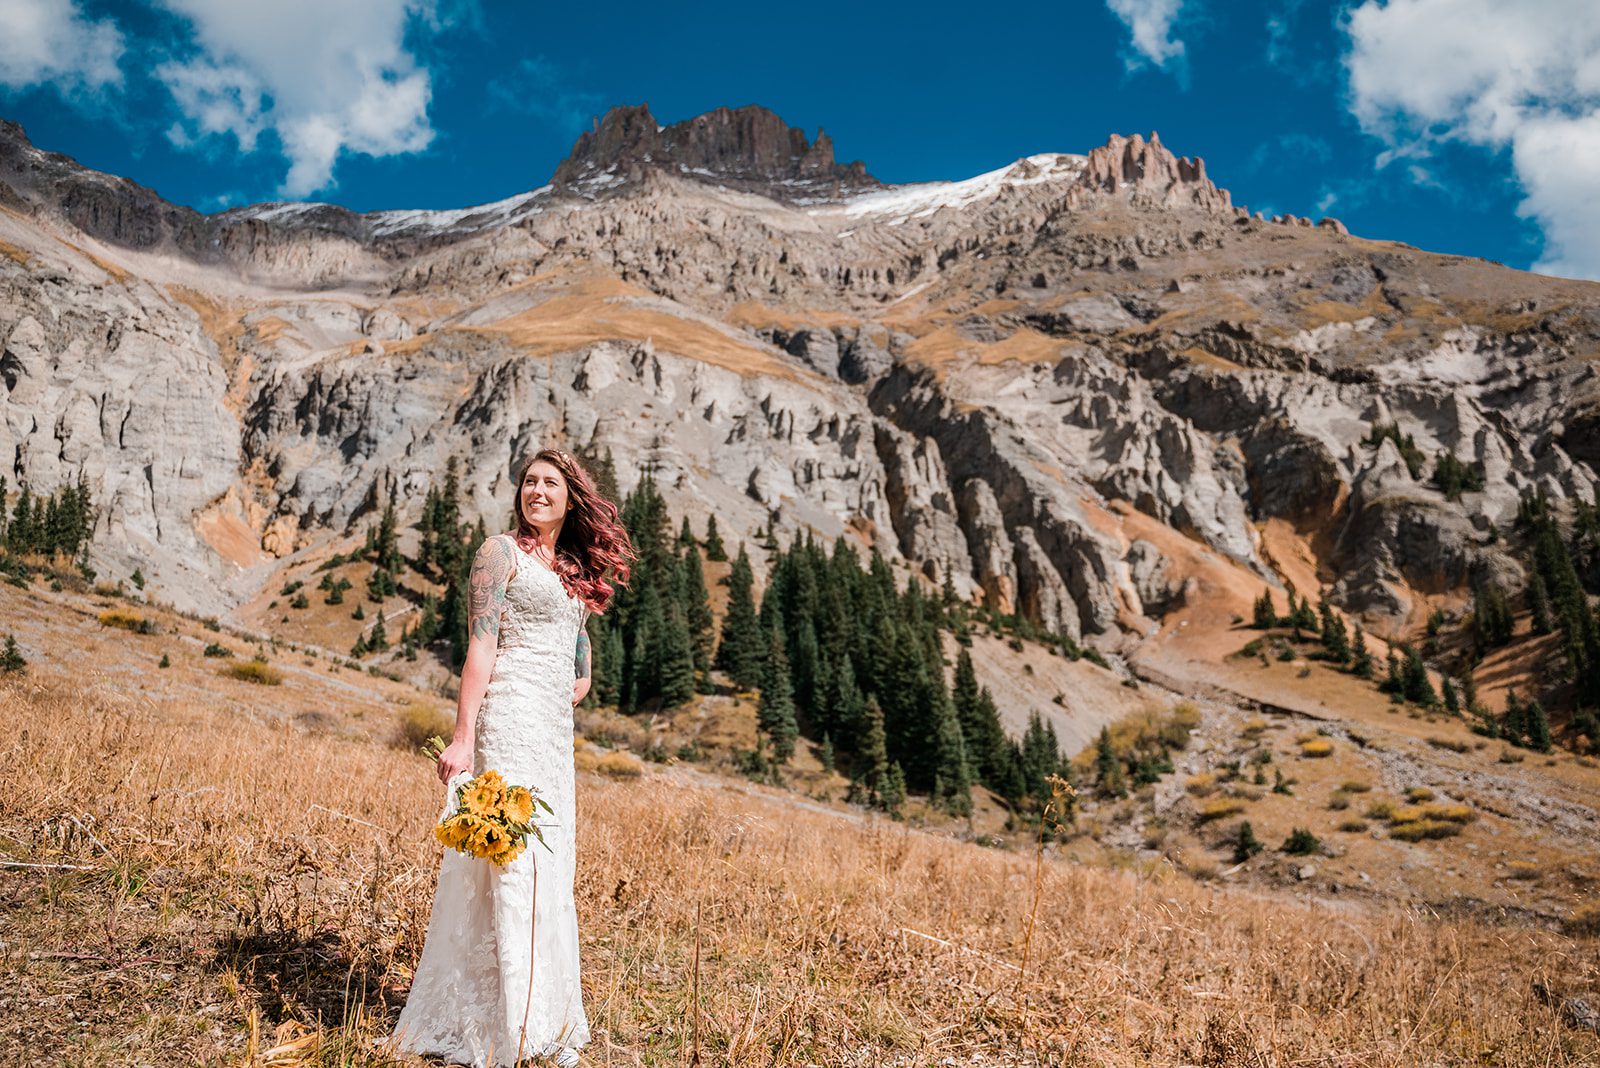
(519, 805)
(454, 830)
(481, 797)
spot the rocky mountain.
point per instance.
(1027, 379)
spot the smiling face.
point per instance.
(543, 496)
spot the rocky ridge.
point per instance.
(962, 374)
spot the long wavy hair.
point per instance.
(593, 550)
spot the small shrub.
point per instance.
(1353, 826)
(1301, 842)
(218, 650)
(1381, 809)
(1416, 830)
(1285, 654)
(12, 662)
(1254, 727)
(1320, 747)
(1524, 869)
(257, 671)
(1510, 756)
(1245, 844)
(1220, 808)
(419, 722)
(1354, 786)
(116, 617)
(1339, 802)
(1419, 793)
(619, 765)
(1201, 784)
(1452, 744)
(166, 661)
(1584, 921)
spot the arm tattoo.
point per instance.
(581, 660)
(491, 570)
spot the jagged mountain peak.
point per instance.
(749, 147)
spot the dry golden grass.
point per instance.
(257, 671)
(420, 721)
(210, 888)
(125, 620)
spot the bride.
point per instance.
(499, 970)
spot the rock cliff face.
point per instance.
(968, 376)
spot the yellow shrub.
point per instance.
(1381, 810)
(1354, 786)
(619, 765)
(257, 671)
(1524, 869)
(1319, 747)
(1419, 793)
(1220, 808)
(1202, 784)
(1585, 920)
(1416, 830)
(419, 722)
(117, 617)
(1449, 813)
(1254, 727)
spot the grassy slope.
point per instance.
(247, 874)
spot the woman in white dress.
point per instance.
(527, 665)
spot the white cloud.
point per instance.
(50, 42)
(327, 79)
(1501, 75)
(1150, 23)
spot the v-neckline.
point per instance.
(536, 562)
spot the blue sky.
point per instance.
(1466, 126)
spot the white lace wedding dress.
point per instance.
(471, 987)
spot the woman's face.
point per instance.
(544, 494)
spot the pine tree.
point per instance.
(1393, 682)
(1537, 724)
(826, 755)
(677, 660)
(1512, 726)
(775, 713)
(742, 651)
(1414, 682)
(1335, 637)
(359, 613)
(1539, 603)
(875, 753)
(1245, 844)
(1452, 703)
(953, 780)
(386, 547)
(608, 662)
(714, 547)
(12, 661)
(1110, 779)
(686, 536)
(894, 790)
(1360, 656)
(378, 639)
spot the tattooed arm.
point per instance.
(491, 570)
(581, 662)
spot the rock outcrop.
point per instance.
(965, 376)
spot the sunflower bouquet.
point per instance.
(491, 819)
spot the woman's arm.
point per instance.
(581, 663)
(491, 570)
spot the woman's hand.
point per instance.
(580, 689)
(456, 758)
